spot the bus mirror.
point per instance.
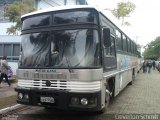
(106, 37)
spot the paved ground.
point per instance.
(143, 97)
(139, 99)
(6, 91)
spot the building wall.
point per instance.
(10, 47)
(42, 4)
(72, 2)
(9, 44)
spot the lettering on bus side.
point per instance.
(45, 70)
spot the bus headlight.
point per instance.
(92, 101)
(84, 101)
(20, 95)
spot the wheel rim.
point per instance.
(107, 98)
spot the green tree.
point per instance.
(124, 9)
(15, 11)
(152, 50)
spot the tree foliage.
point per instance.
(15, 11)
(124, 9)
(152, 50)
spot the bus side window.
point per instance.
(119, 40)
(110, 61)
(124, 43)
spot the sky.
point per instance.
(145, 20)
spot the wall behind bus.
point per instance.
(41, 4)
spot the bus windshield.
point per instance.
(61, 49)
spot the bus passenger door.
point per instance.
(109, 59)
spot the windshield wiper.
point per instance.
(69, 64)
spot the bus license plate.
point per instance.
(47, 99)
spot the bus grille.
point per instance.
(61, 85)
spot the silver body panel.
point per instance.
(123, 73)
(80, 80)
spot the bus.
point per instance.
(73, 58)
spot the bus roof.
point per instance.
(59, 8)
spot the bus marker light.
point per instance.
(26, 96)
(92, 100)
(74, 100)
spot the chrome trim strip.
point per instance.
(107, 76)
(65, 85)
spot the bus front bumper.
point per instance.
(59, 99)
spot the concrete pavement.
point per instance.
(143, 97)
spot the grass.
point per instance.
(7, 101)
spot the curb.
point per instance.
(8, 109)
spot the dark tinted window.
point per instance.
(35, 49)
(124, 43)
(132, 47)
(74, 17)
(135, 49)
(11, 50)
(16, 49)
(118, 40)
(7, 49)
(36, 21)
(129, 46)
(110, 51)
(65, 48)
(110, 61)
